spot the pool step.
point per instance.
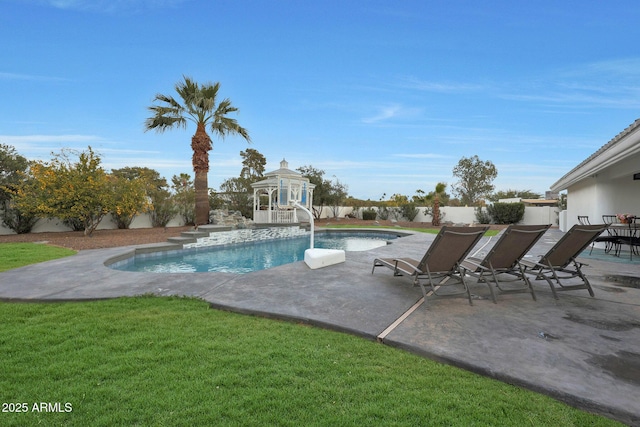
(181, 240)
(192, 236)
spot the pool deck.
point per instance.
(581, 350)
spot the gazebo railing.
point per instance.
(275, 216)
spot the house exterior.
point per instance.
(273, 197)
(607, 182)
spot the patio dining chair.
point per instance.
(610, 239)
(627, 234)
(501, 266)
(583, 220)
(440, 265)
(559, 264)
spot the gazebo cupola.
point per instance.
(273, 197)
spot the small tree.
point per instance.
(159, 202)
(184, 197)
(237, 192)
(436, 216)
(253, 164)
(337, 195)
(237, 196)
(475, 179)
(13, 168)
(322, 190)
(130, 198)
(482, 216)
(70, 190)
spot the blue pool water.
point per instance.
(248, 257)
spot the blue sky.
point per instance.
(384, 96)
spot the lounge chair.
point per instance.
(560, 262)
(502, 263)
(441, 261)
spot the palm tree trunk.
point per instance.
(435, 213)
(201, 144)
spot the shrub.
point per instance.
(409, 210)
(506, 213)
(482, 216)
(383, 213)
(17, 221)
(369, 214)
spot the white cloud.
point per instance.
(441, 87)
(422, 156)
(391, 111)
(385, 113)
(17, 139)
(28, 77)
(110, 6)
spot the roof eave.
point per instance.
(624, 144)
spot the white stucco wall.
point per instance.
(456, 215)
(54, 225)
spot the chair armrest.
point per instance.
(472, 264)
(401, 263)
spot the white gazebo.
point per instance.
(274, 196)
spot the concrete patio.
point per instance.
(581, 350)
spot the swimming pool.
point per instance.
(253, 256)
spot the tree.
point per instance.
(199, 105)
(237, 192)
(435, 213)
(253, 165)
(322, 189)
(13, 169)
(326, 192)
(475, 179)
(338, 194)
(72, 191)
(184, 197)
(513, 194)
(130, 197)
(159, 201)
(236, 196)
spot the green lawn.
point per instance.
(174, 361)
(14, 255)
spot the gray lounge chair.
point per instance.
(441, 261)
(502, 264)
(560, 262)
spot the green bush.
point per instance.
(409, 211)
(369, 214)
(482, 216)
(506, 213)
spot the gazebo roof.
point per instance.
(273, 177)
(284, 171)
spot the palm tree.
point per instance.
(200, 107)
(435, 216)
